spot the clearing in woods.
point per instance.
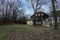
(25, 32)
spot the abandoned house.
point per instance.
(39, 17)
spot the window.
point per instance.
(36, 14)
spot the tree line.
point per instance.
(11, 13)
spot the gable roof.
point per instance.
(36, 13)
(39, 13)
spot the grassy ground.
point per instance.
(5, 30)
(25, 32)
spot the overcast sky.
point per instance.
(28, 9)
(45, 8)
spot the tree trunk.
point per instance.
(54, 15)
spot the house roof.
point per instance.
(39, 13)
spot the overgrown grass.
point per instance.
(5, 29)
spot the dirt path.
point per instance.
(34, 34)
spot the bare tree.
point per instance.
(15, 10)
(6, 13)
(21, 17)
(36, 5)
(10, 10)
(54, 14)
(2, 9)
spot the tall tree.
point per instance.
(2, 10)
(36, 5)
(54, 14)
(6, 13)
(15, 10)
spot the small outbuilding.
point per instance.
(29, 22)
